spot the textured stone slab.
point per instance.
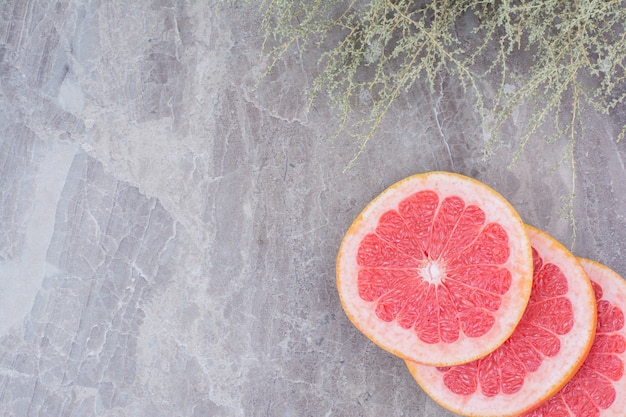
(168, 231)
(76, 349)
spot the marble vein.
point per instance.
(170, 218)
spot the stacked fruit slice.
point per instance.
(492, 317)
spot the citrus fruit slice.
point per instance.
(436, 269)
(546, 349)
(599, 387)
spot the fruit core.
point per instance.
(432, 272)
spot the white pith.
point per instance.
(433, 272)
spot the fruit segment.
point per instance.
(599, 387)
(547, 347)
(437, 269)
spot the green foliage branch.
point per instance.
(576, 48)
(372, 51)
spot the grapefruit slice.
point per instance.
(599, 387)
(437, 269)
(547, 348)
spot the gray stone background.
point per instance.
(168, 233)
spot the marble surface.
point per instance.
(168, 232)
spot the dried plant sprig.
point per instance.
(373, 51)
(381, 48)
